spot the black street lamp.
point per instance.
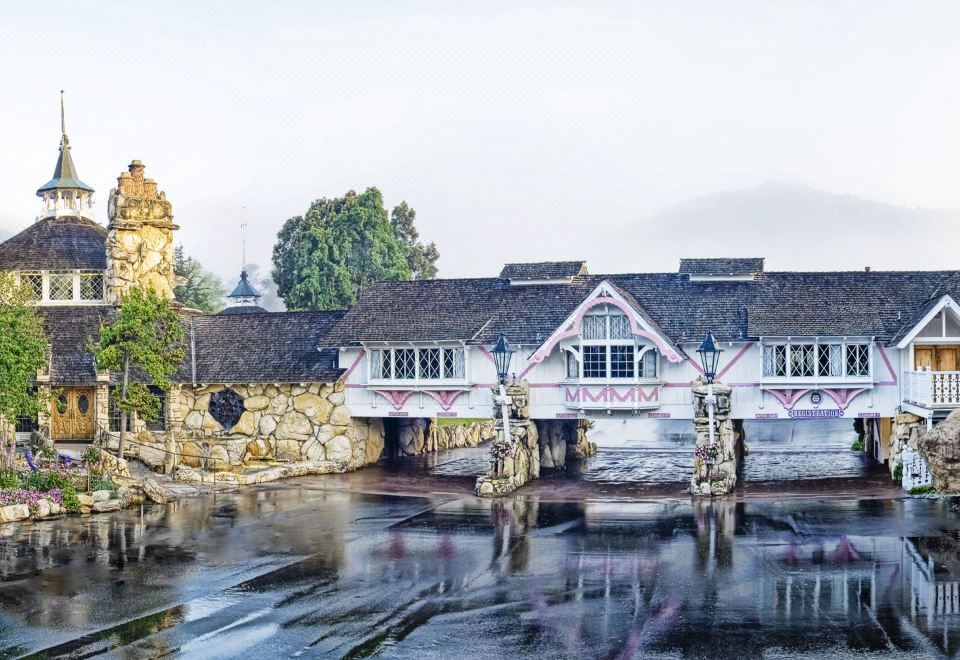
(502, 353)
(709, 356)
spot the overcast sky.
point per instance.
(518, 131)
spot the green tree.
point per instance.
(146, 337)
(421, 257)
(23, 350)
(196, 288)
(325, 258)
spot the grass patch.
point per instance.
(459, 421)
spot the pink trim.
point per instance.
(886, 361)
(577, 321)
(346, 374)
(396, 397)
(844, 395)
(789, 398)
(444, 397)
(693, 363)
(735, 359)
(487, 354)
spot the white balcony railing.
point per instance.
(932, 389)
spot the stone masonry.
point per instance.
(561, 439)
(139, 236)
(940, 448)
(523, 460)
(716, 476)
(905, 433)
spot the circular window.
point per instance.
(83, 404)
(62, 404)
(226, 406)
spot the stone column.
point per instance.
(101, 410)
(564, 439)
(715, 466)
(521, 451)
(906, 431)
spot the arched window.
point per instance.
(608, 350)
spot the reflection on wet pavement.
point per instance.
(302, 571)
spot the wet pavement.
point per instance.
(298, 569)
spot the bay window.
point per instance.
(426, 363)
(816, 360)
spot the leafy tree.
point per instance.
(23, 350)
(421, 257)
(200, 289)
(325, 258)
(146, 337)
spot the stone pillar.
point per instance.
(563, 439)
(46, 401)
(519, 459)
(101, 410)
(906, 431)
(715, 466)
(139, 236)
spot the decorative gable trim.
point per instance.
(606, 294)
(945, 302)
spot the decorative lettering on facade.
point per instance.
(446, 414)
(869, 415)
(815, 413)
(394, 413)
(568, 415)
(766, 416)
(610, 394)
(659, 415)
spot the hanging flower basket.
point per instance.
(707, 453)
(501, 449)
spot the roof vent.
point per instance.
(736, 270)
(543, 272)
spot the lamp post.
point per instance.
(709, 357)
(502, 353)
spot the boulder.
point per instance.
(155, 491)
(313, 406)
(14, 512)
(85, 500)
(191, 454)
(336, 398)
(941, 450)
(218, 458)
(107, 505)
(340, 416)
(247, 424)
(294, 426)
(194, 420)
(373, 447)
(312, 450)
(278, 405)
(259, 402)
(268, 424)
(152, 458)
(42, 509)
(288, 450)
(101, 495)
(258, 448)
(338, 449)
(185, 473)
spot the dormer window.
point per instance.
(608, 350)
(34, 284)
(91, 285)
(61, 286)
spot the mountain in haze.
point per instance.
(800, 228)
(4, 235)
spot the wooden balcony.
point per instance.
(932, 389)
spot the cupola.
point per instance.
(65, 195)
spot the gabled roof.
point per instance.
(748, 266)
(544, 270)
(56, 243)
(924, 315)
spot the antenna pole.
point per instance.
(63, 123)
(243, 237)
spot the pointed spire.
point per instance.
(244, 293)
(65, 172)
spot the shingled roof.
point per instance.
(56, 244)
(857, 303)
(69, 329)
(722, 266)
(544, 270)
(278, 347)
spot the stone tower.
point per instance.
(139, 236)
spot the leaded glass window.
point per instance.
(648, 365)
(573, 367)
(453, 363)
(594, 327)
(830, 360)
(91, 286)
(160, 423)
(621, 361)
(405, 363)
(594, 361)
(429, 359)
(61, 286)
(620, 327)
(802, 360)
(113, 411)
(379, 364)
(775, 360)
(858, 360)
(33, 282)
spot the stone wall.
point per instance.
(717, 476)
(905, 433)
(139, 236)
(285, 422)
(420, 435)
(940, 448)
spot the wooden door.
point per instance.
(946, 358)
(923, 357)
(71, 416)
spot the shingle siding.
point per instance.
(747, 266)
(544, 270)
(56, 244)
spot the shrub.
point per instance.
(70, 500)
(857, 445)
(44, 480)
(102, 481)
(898, 474)
(10, 479)
(92, 455)
(921, 490)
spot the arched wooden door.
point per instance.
(71, 417)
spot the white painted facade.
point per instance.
(846, 377)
